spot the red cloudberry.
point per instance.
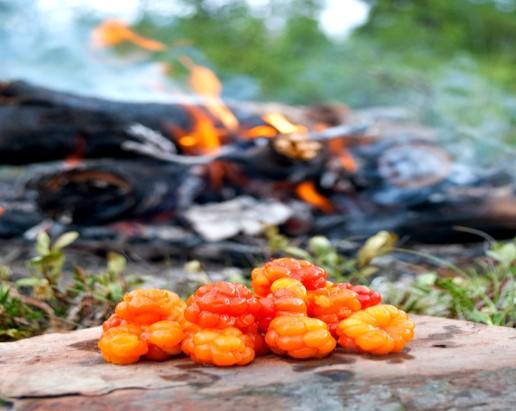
(366, 296)
(222, 304)
(287, 297)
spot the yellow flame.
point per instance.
(283, 124)
(206, 84)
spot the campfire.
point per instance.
(201, 170)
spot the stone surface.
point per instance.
(449, 365)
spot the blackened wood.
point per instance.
(100, 191)
(38, 124)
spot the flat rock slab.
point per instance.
(450, 365)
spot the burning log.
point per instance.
(38, 125)
(350, 183)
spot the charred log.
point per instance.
(432, 224)
(103, 191)
(38, 124)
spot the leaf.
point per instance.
(377, 245)
(296, 252)
(116, 263)
(427, 279)
(115, 291)
(29, 282)
(505, 254)
(52, 259)
(42, 243)
(320, 245)
(65, 240)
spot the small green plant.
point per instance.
(51, 297)
(17, 318)
(322, 252)
(484, 291)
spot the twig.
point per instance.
(234, 152)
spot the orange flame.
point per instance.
(261, 132)
(283, 124)
(307, 192)
(203, 138)
(113, 32)
(206, 84)
(2, 211)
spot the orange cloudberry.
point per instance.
(380, 329)
(299, 337)
(113, 321)
(122, 344)
(332, 304)
(221, 347)
(310, 275)
(164, 339)
(146, 306)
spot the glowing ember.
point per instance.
(339, 150)
(113, 32)
(2, 211)
(206, 84)
(78, 154)
(348, 162)
(307, 192)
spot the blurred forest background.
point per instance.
(453, 62)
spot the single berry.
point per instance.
(221, 347)
(380, 329)
(310, 275)
(164, 339)
(299, 337)
(332, 304)
(222, 304)
(146, 306)
(123, 345)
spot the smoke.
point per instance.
(49, 45)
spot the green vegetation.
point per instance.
(320, 251)
(51, 298)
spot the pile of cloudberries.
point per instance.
(291, 310)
